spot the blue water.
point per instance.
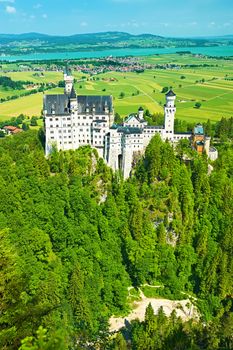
(210, 51)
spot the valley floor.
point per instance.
(184, 309)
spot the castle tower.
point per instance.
(169, 114)
(69, 80)
(140, 113)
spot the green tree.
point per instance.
(197, 105)
(33, 121)
(164, 90)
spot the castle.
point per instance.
(73, 121)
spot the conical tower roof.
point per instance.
(170, 93)
(73, 93)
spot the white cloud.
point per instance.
(10, 9)
(227, 24)
(11, 1)
(45, 16)
(83, 24)
(165, 24)
(37, 6)
(193, 23)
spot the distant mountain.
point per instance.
(37, 42)
(78, 38)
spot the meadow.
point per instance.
(204, 84)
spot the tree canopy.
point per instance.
(75, 236)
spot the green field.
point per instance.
(215, 93)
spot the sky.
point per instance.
(175, 18)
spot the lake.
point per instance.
(210, 51)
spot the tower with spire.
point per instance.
(169, 115)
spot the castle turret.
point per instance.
(69, 80)
(140, 113)
(207, 145)
(169, 114)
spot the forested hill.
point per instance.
(74, 237)
(36, 42)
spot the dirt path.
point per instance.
(184, 309)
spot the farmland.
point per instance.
(209, 84)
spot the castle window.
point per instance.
(56, 119)
(51, 119)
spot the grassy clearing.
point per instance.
(144, 89)
(28, 105)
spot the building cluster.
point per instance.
(10, 130)
(72, 121)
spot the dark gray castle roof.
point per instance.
(150, 127)
(56, 104)
(59, 104)
(127, 129)
(97, 102)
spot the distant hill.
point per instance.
(79, 38)
(37, 42)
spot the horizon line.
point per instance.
(114, 31)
